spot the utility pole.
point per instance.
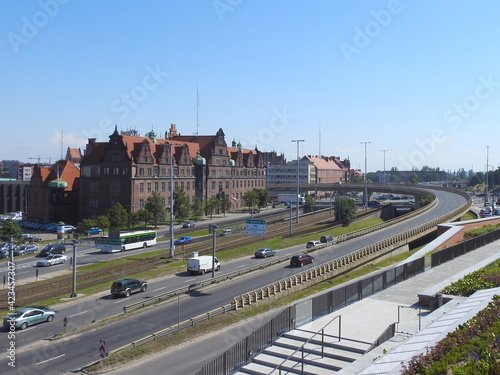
(297, 208)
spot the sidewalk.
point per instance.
(364, 320)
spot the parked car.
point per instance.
(189, 224)
(4, 254)
(31, 238)
(69, 228)
(95, 230)
(7, 246)
(57, 248)
(255, 211)
(374, 204)
(226, 232)
(325, 238)
(52, 260)
(26, 249)
(312, 244)
(28, 317)
(182, 240)
(126, 287)
(299, 260)
(264, 253)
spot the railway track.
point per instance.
(276, 226)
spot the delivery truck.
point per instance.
(201, 264)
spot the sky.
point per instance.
(420, 79)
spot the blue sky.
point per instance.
(420, 79)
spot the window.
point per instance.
(220, 185)
(182, 172)
(114, 187)
(163, 186)
(220, 173)
(217, 162)
(148, 187)
(163, 172)
(150, 172)
(141, 171)
(94, 171)
(188, 185)
(115, 158)
(94, 186)
(116, 171)
(176, 185)
(182, 185)
(156, 187)
(94, 203)
(141, 187)
(213, 185)
(227, 185)
(105, 171)
(141, 203)
(224, 162)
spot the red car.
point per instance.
(300, 259)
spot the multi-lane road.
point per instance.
(35, 354)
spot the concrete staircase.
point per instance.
(298, 352)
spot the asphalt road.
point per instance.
(36, 355)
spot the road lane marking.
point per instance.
(19, 273)
(80, 313)
(243, 265)
(51, 359)
(188, 281)
(122, 300)
(163, 287)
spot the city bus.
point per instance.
(121, 241)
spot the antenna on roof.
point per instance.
(197, 110)
(319, 141)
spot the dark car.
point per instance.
(300, 259)
(28, 316)
(50, 249)
(182, 240)
(255, 211)
(128, 286)
(264, 253)
(189, 224)
(26, 249)
(325, 238)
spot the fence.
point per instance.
(314, 308)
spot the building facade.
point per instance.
(129, 168)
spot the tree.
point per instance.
(250, 197)
(155, 206)
(263, 196)
(225, 205)
(118, 216)
(84, 226)
(413, 179)
(211, 205)
(309, 203)
(197, 207)
(9, 229)
(347, 211)
(182, 209)
(144, 216)
(103, 222)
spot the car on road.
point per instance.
(182, 240)
(189, 224)
(26, 249)
(52, 260)
(28, 316)
(95, 230)
(312, 244)
(226, 232)
(374, 204)
(69, 228)
(325, 238)
(57, 248)
(299, 260)
(126, 287)
(264, 253)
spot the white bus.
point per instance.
(125, 241)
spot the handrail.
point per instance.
(309, 340)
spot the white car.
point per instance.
(313, 244)
(51, 260)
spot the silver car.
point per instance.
(26, 249)
(51, 260)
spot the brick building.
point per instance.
(53, 193)
(129, 168)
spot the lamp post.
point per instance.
(366, 186)
(297, 208)
(171, 203)
(385, 178)
(487, 170)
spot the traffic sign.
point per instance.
(255, 227)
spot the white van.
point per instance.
(200, 265)
(226, 232)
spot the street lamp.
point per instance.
(487, 170)
(366, 186)
(385, 178)
(171, 203)
(297, 208)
